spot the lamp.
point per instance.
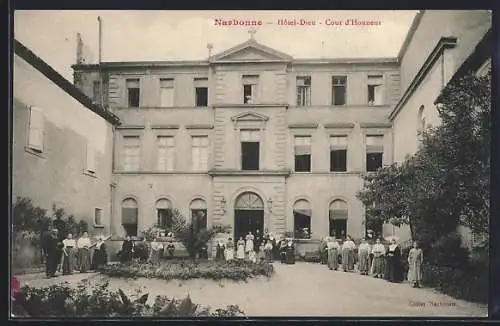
(223, 204)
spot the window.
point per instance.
(250, 149)
(376, 90)
(338, 213)
(338, 153)
(199, 153)
(250, 88)
(131, 153)
(133, 90)
(302, 153)
(164, 214)
(96, 94)
(302, 219)
(201, 92)
(166, 153)
(339, 86)
(198, 209)
(130, 213)
(90, 153)
(36, 126)
(374, 152)
(97, 216)
(304, 91)
(166, 92)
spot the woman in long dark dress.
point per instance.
(126, 253)
(83, 245)
(290, 253)
(276, 248)
(219, 251)
(100, 258)
(394, 270)
(283, 247)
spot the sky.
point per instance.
(183, 35)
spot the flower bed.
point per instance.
(184, 270)
(64, 301)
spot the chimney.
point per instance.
(79, 48)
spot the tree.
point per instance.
(446, 182)
(192, 237)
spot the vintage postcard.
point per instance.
(250, 163)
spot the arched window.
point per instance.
(338, 212)
(164, 214)
(130, 212)
(198, 209)
(302, 219)
(249, 201)
(420, 120)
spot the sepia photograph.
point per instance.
(246, 164)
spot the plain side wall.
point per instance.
(57, 175)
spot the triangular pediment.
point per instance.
(250, 116)
(250, 51)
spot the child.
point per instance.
(261, 255)
(268, 251)
(252, 256)
(240, 251)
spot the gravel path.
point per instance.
(302, 289)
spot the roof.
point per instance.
(442, 44)
(269, 55)
(411, 32)
(481, 53)
(62, 82)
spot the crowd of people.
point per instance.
(375, 259)
(70, 254)
(256, 248)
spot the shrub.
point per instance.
(64, 301)
(141, 250)
(184, 270)
(448, 251)
(468, 284)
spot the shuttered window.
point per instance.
(167, 92)
(166, 153)
(91, 159)
(199, 153)
(131, 153)
(36, 129)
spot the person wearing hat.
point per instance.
(53, 253)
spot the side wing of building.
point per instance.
(62, 144)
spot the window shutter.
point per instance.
(201, 82)
(379, 95)
(36, 125)
(376, 80)
(90, 158)
(167, 97)
(338, 142)
(374, 144)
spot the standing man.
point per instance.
(53, 253)
(258, 240)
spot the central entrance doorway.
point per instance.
(248, 215)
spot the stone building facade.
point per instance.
(251, 138)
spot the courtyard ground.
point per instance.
(303, 289)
